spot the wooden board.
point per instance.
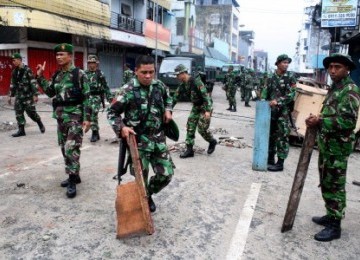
(132, 208)
(261, 139)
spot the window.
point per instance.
(150, 10)
(180, 24)
(126, 9)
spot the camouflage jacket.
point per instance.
(249, 81)
(143, 109)
(229, 79)
(197, 91)
(281, 88)
(128, 74)
(63, 89)
(23, 84)
(340, 110)
(98, 84)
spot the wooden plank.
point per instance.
(261, 139)
(299, 179)
(132, 208)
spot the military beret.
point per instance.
(281, 58)
(180, 69)
(340, 58)
(64, 47)
(16, 56)
(93, 58)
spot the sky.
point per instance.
(275, 22)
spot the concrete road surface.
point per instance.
(216, 207)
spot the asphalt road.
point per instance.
(216, 207)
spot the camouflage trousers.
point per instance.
(279, 137)
(95, 103)
(242, 93)
(70, 136)
(247, 94)
(28, 106)
(332, 164)
(231, 92)
(160, 161)
(197, 119)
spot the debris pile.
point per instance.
(219, 130)
(7, 126)
(233, 142)
(181, 147)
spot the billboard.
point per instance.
(339, 13)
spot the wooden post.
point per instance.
(261, 139)
(299, 179)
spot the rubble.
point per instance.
(181, 147)
(7, 126)
(233, 142)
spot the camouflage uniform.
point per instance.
(72, 109)
(336, 141)
(99, 89)
(147, 123)
(128, 75)
(248, 86)
(231, 88)
(24, 89)
(281, 89)
(201, 103)
(242, 84)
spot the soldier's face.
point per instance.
(92, 66)
(283, 65)
(337, 71)
(63, 58)
(181, 77)
(145, 74)
(16, 62)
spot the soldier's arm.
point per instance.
(48, 87)
(12, 89)
(205, 96)
(108, 94)
(290, 93)
(116, 108)
(168, 100)
(31, 77)
(177, 93)
(85, 88)
(347, 112)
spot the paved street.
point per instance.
(216, 207)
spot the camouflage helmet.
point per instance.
(180, 69)
(93, 58)
(340, 58)
(16, 56)
(281, 58)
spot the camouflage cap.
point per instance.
(340, 58)
(16, 56)
(180, 69)
(93, 58)
(282, 57)
(64, 47)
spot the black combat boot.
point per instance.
(330, 232)
(41, 126)
(189, 152)
(212, 145)
(247, 104)
(324, 220)
(233, 109)
(271, 159)
(152, 205)
(278, 167)
(71, 188)
(20, 132)
(66, 182)
(229, 108)
(95, 136)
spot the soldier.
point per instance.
(99, 89)
(263, 82)
(70, 88)
(244, 71)
(229, 81)
(249, 82)
(336, 140)
(23, 88)
(200, 114)
(128, 74)
(280, 91)
(147, 105)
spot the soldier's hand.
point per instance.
(86, 126)
(312, 121)
(207, 114)
(167, 117)
(9, 101)
(40, 69)
(36, 99)
(126, 131)
(273, 103)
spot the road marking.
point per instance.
(9, 170)
(238, 240)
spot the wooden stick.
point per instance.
(299, 179)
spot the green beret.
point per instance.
(64, 47)
(171, 130)
(340, 58)
(93, 58)
(16, 56)
(180, 69)
(282, 57)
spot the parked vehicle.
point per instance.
(224, 69)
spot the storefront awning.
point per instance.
(151, 43)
